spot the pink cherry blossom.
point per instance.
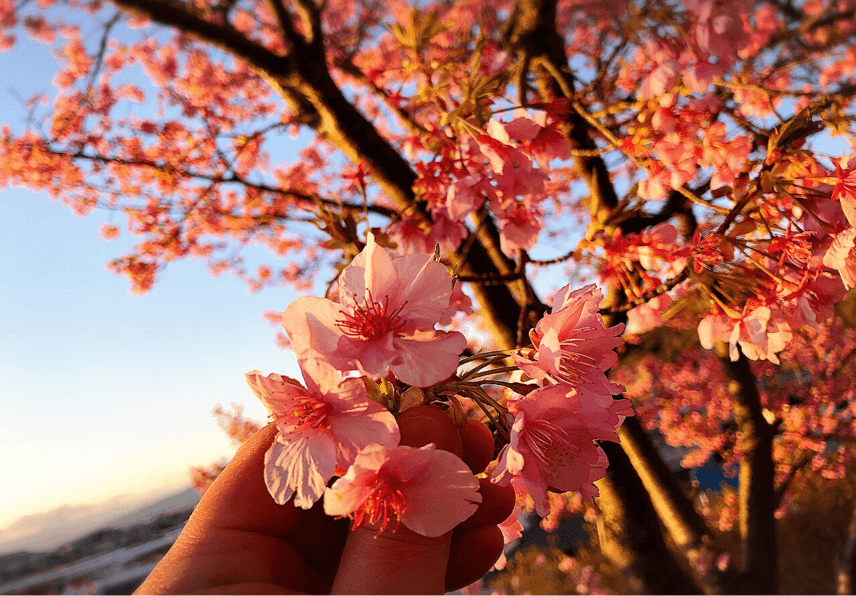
(714, 327)
(649, 315)
(384, 319)
(719, 30)
(842, 256)
(845, 189)
(553, 441)
(760, 335)
(519, 228)
(539, 136)
(321, 428)
(572, 346)
(661, 79)
(428, 490)
(465, 196)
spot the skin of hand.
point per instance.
(239, 541)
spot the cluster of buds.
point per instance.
(375, 353)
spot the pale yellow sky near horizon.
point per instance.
(104, 393)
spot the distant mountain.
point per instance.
(47, 530)
(177, 502)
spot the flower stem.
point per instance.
(483, 355)
(473, 395)
(493, 371)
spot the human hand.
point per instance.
(239, 541)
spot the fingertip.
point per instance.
(477, 443)
(497, 504)
(473, 552)
(421, 425)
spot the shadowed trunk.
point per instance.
(756, 492)
(629, 532)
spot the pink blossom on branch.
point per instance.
(428, 490)
(649, 315)
(760, 332)
(845, 189)
(571, 344)
(321, 428)
(384, 320)
(553, 441)
(842, 256)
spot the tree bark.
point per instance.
(845, 572)
(756, 491)
(630, 535)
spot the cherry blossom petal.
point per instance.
(367, 423)
(311, 326)
(840, 256)
(425, 297)
(274, 391)
(350, 491)
(441, 497)
(371, 271)
(428, 358)
(301, 468)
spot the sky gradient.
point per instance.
(103, 392)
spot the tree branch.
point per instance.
(630, 534)
(303, 200)
(303, 80)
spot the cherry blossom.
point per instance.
(845, 189)
(384, 320)
(649, 315)
(552, 442)
(841, 256)
(321, 428)
(428, 490)
(652, 133)
(571, 344)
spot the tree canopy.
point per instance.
(695, 158)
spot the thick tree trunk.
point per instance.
(629, 532)
(845, 572)
(627, 511)
(756, 492)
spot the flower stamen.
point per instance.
(549, 444)
(371, 319)
(385, 502)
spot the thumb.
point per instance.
(401, 561)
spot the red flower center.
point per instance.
(371, 319)
(311, 412)
(385, 502)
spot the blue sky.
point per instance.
(103, 392)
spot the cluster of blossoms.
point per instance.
(375, 353)
(797, 280)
